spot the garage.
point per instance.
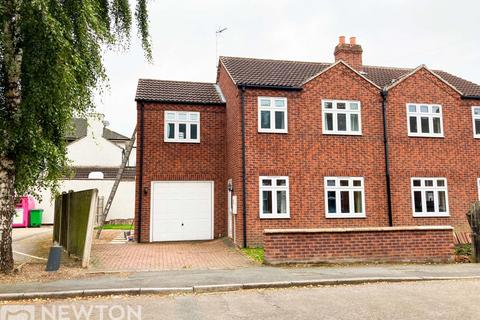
(181, 210)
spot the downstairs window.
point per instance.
(344, 197)
(429, 197)
(274, 197)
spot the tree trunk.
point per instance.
(7, 209)
(12, 59)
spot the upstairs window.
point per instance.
(274, 197)
(345, 197)
(476, 121)
(182, 126)
(424, 120)
(429, 197)
(272, 115)
(341, 117)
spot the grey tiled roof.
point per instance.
(80, 130)
(178, 91)
(292, 74)
(262, 72)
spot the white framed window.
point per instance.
(181, 126)
(274, 197)
(424, 120)
(341, 117)
(272, 115)
(476, 121)
(429, 197)
(344, 197)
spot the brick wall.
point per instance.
(450, 157)
(401, 244)
(306, 155)
(183, 161)
(234, 147)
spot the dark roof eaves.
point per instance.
(470, 97)
(266, 86)
(208, 103)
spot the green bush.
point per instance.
(463, 249)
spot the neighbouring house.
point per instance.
(276, 149)
(96, 153)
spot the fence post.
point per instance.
(474, 221)
(67, 227)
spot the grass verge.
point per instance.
(116, 227)
(256, 254)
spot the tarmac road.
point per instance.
(448, 299)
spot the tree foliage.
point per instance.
(61, 44)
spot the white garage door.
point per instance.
(182, 210)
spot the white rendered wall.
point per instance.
(94, 152)
(123, 205)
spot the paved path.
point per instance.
(189, 278)
(421, 300)
(215, 254)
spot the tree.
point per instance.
(50, 67)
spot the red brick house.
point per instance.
(301, 145)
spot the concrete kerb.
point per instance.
(166, 291)
(217, 287)
(109, 292)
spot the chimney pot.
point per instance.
(350, 53)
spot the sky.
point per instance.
(442, 34)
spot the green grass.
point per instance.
(117, 227)
(256, 254)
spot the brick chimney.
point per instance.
(351, 53)
(95, 126)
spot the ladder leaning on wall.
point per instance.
(118, 178)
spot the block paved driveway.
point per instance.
(214, 254)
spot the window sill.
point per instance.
(180, 141)
(342, 133)
(270, 131)
(425, 136)
(271, 216)
(431, 215)
(345, 216)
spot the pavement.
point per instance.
(181, 281)
(408, 300)
(19, 234)
(31, 244)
